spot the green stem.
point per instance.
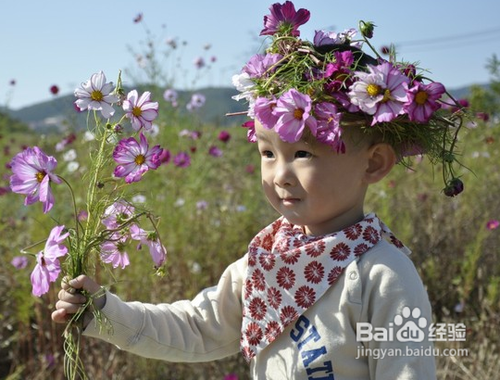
(75, 210)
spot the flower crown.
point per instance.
(331, 84)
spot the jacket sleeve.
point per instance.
(396, 303)
(203, 329)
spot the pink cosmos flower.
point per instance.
(19, 262)
(157, 251)
(113, 251)
(263, 109)
(322, 37)
(182, 160)
(250, 125)
(261, 65)
(329, 130)
(492, 224)
(284, 19)
(54, 90)
(197, 101)
(199, 62)
(224, 136)
(214, 151)
(140, 110)
(32, 173)
(48, 267)
(170, 95)
(422, 100)
(95, 94)
(293, 112)
(116, 214)
(380, 92)
(135, 158)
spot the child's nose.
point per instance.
(284, 175)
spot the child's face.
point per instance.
(310, 184)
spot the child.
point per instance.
(326, 291)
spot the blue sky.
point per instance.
(60, 42)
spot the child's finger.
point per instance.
(70, 297)
(60, 316)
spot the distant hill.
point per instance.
(54, 114)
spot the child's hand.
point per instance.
(70, 300)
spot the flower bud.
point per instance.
(454, 187)
(366, 28)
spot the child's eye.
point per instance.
(267, 154)
(302, 154)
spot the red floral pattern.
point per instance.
(305, 296)
(273, 329)
(314, 272)
(289, 271)
(267, 261)
(257, 308)
(285, 278)
(340, 252)
(274, 297)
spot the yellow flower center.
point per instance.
(137, 111)
(140, 159)
(96, 95)
(421, 97)
(40, 176)
(387, 95)
(298, 113)
(373, 89)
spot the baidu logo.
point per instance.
(410, 326)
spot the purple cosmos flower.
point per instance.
(32, 173)
(492, 224)
(165, 156)
(201, 205)
(263, 109)
(293, 112)
(261, 64)
(140, 110)
(224, 136)
(322, 37)
(95, 94)
(197, 101)
(339, 72)
(19, 262)
(422, 100)
(182, 160)
(214, 151)
(380, 92)
(284, 19)
(250, 124)
(329, 129)
(113, 251)
(116, 214)
(157, 251)
(199, 62)
(135, 158)
(170, 95)
(48, 267)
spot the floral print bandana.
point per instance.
(289, 271)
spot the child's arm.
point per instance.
(203, 329)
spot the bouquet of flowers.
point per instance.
(110, 221)
(330, 84)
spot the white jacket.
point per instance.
(321, 344)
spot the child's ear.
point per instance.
(381, 159)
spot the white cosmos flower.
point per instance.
(95, 94)
(69, 155)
